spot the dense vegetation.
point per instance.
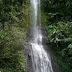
(57, 18)
(14, 23)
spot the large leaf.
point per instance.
(65, 40)
(70, 46)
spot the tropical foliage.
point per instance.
(57, 18)
(14, 22)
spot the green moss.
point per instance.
(14, 24)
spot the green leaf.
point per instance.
(1, 35)
(66, 40)
(70, 46)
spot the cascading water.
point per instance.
(40, 59)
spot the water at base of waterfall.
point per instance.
(40, 59)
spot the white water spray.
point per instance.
(40, 59)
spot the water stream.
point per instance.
(40, 59)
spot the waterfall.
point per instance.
(40, 59)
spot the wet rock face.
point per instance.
(27, 52)
(44, 33)
(29, 67)
(56, 67)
